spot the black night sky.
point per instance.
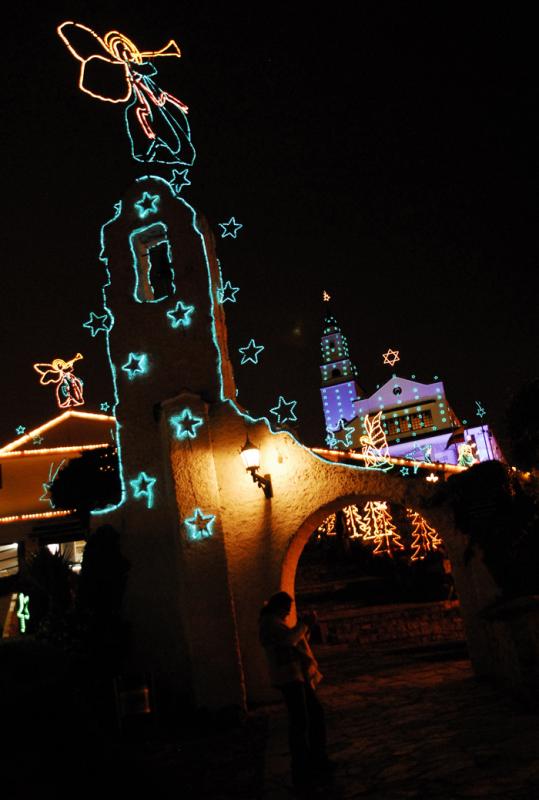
(389, 158)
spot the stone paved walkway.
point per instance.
(401, 727)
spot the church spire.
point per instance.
(339, 375)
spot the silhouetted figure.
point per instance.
(294, 670)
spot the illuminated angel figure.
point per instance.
(374, 443)
(68, 387)
(156, 120)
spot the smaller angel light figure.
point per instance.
(374, 443)
(68, 386)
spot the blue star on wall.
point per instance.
(180, 315)
(227, 292)
(20, 430)
(136, 364)
(97, 323)
(104, 407)
(284, 411)
(185, 424)
(347, 441)
(200, 526)
(148, 204)
(179, 180)
(230, 228)
(404, 471)
(250, 352)
(142, 486)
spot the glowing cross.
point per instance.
(148, 204)
(326, 297)
(23, 612)
(136, 364)
(479, 410)
(20, 430)
(180, 315)
(391, 357)
(96, 323)
(179, 180)
(250, 352)
(227, 292)
(230, 228)
(142, 486)
(186, 424)
(284, 411)
(200, 526)
(104, 407)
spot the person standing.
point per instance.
(294, 671)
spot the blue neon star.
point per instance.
(404, 471)
(284, 411)
(20, 430)
(136, 364)
(230, 228)
(250, 352)
(227, 292)
(97, 323)
(347, 441)
(142, 486)
(186, 424)
(200, 526)
(148, 204)
(37, 440)
(479, 410)
(180, 315)
(104, 407)
(179, 180)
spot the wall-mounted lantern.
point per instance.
(250, 455)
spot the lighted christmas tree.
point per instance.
(377, 526)
(425, 538)
(352, 521)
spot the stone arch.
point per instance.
(302, 535)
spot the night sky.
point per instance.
(389, 159)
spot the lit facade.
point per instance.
(340, 388)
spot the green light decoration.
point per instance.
(230, 228)
(20, 429)
(200, 526)
(185, 424)
(136, 364)
(97, 323)
(250, 352)
(284, 411)
(180, 315)
(227, 293)
(479, 410)
(404, 471)
(23, 611)
(142, 487)
(178, 180)
(37, 440)
(148, 204)
(104, 407)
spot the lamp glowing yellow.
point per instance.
(250, 455)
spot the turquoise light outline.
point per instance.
(194, 533)
(91, 325)
(148, 256)
(143, 366)
(148, 492)
(179, 419)
(154, 207)
(256, 347)
(222, 291)
(20, 430)
(23, 612)
(186, 311)
(231, 223)
(282, 418)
